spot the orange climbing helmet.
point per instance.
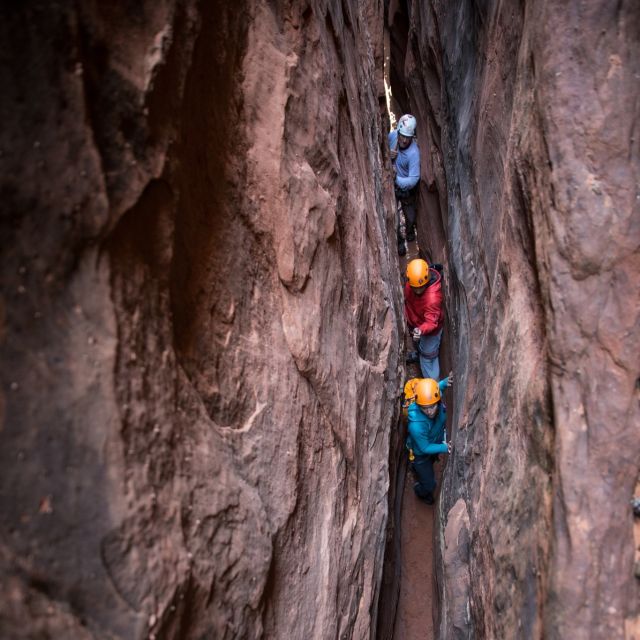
(418, 272)
(427, 392)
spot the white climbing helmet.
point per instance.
(407, 125)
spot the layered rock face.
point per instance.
(199, 320)
(528, 125)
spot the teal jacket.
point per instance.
(426, 435)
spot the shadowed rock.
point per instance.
(198, 320)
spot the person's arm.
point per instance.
(446, 382)
(430, 323)
(393, 147)
(424, 446)
(409, 313)
(414, 172)
(431, 310)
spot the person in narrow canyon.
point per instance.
(424, 312)
(427, 420)
(405, 156)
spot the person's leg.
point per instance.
(423, 468)
(430, 367)
(429, 350)
(409, 207)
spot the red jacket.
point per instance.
(425, 311)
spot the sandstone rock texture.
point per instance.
(199, 319)
(528, 119)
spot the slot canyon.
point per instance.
(202, 335)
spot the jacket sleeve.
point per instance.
(432, 310)
(431, 318)
(408, 313)
(430, 448)
(414, 172)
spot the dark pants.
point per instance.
(423, 468)
(408, 200)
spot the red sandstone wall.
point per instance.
(198, 320)
(528, 117)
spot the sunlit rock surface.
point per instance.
(199, 321)
(528, 126)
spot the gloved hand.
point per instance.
(416, 333)
(394, 154)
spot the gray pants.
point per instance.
(429, 350)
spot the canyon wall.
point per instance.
(199, 319)
(528, 117)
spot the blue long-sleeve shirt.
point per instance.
(407, 162)
(426, 434)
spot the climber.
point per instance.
(425, 314)
(427, 419)
(405, 156)
(410, 391)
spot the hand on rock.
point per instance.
(394, 154)
(416, 333)
(449, 447)
(450, 379)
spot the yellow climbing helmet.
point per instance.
(427, 392)
(409, 395)
(410, 390)
(418, 273)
